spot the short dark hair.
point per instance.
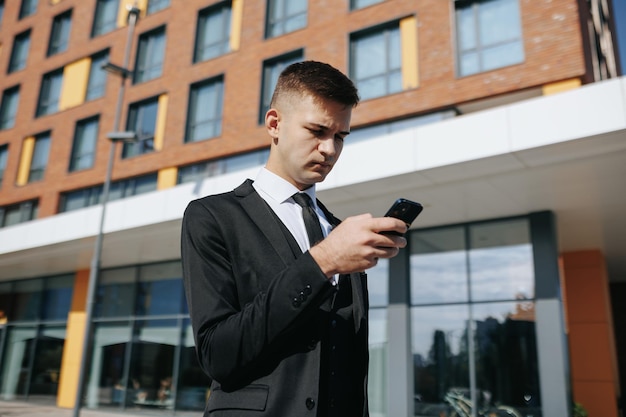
(319, 79)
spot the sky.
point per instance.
(619, 11)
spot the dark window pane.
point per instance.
(213, 34)
(285, 16)
(105, 18)
(28, 8)
(271, 70)
(115, 295)
(156, 5)
(8, 107)
(160, 289)
(50, 93)
(57, 297)
(150, 56)
(142, 120)
(60, 34)
(19, 53)
(205, 111)
(40, 158)
(84, 147)
(27, 296)
(97, 76)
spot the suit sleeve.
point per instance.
(231, 338)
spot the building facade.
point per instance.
(506, 119)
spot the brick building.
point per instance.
(505, 118)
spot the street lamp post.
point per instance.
(116, 136)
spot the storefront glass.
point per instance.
(473, 322)
(34, 314)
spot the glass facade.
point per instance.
(469, 291)
(36, 312)
(473, 322)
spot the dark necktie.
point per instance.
(311, 221)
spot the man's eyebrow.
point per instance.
(324, 127)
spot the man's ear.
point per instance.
(272, 119)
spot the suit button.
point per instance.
(333, 323)
(310, 403)
(296, 302)
(307, 290)
(302, 296)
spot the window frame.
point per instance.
(100, 26)
(145, 143)
(82, 138)
(275, 25)
(223, 11)
(383, 30)
(4, 158)
(8, 114)
(27, 8)
(40, 157)
(195, 114)
(146, 67)
(96, 83)
(60, 33)
(50, 93)
(480, 48)
(157, 5)
(270, 70)
(28, 211)
(19, 51)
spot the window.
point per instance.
(205, 110)
(213, 32)
(60, 33)
(18, 213)
(150, 55)
(97, 76)
(85, 197)
(142, 120)
(4, 156)
(84, 146)
(489, 35)
(40, 157)
(28, 8)
(469, 341)
(271, 70)
(202, 170)
(8, 107)
(50, 93)
(156, 5)
(359, 4)
(284, 16)
(105, 18)
(376, 61)
(19, 54)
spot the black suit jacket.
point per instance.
(260, 311)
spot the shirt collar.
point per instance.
(277, 188)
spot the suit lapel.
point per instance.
(262, 215)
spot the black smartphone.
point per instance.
(405, 210)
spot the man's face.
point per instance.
(307, 138)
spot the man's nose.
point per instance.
(327, 146)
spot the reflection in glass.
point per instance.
(154, 342)
(46, 361)
(57, 297)
(377, 380)
(438, 266)
(160, 290)
(501, 261)
(26, 300)
(473, 321)
(193, 387)
(115, 294)
(107, 377)
(15, 369)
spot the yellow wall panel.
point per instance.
(235, 25)
(28, 147)
(73, 347)
(159, 133)
(122, 13)
(560, 86)
(70, 362)
(167, 178)
(408, 34)
(75, 79)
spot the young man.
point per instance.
(280, 323)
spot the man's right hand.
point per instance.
(357, 244)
